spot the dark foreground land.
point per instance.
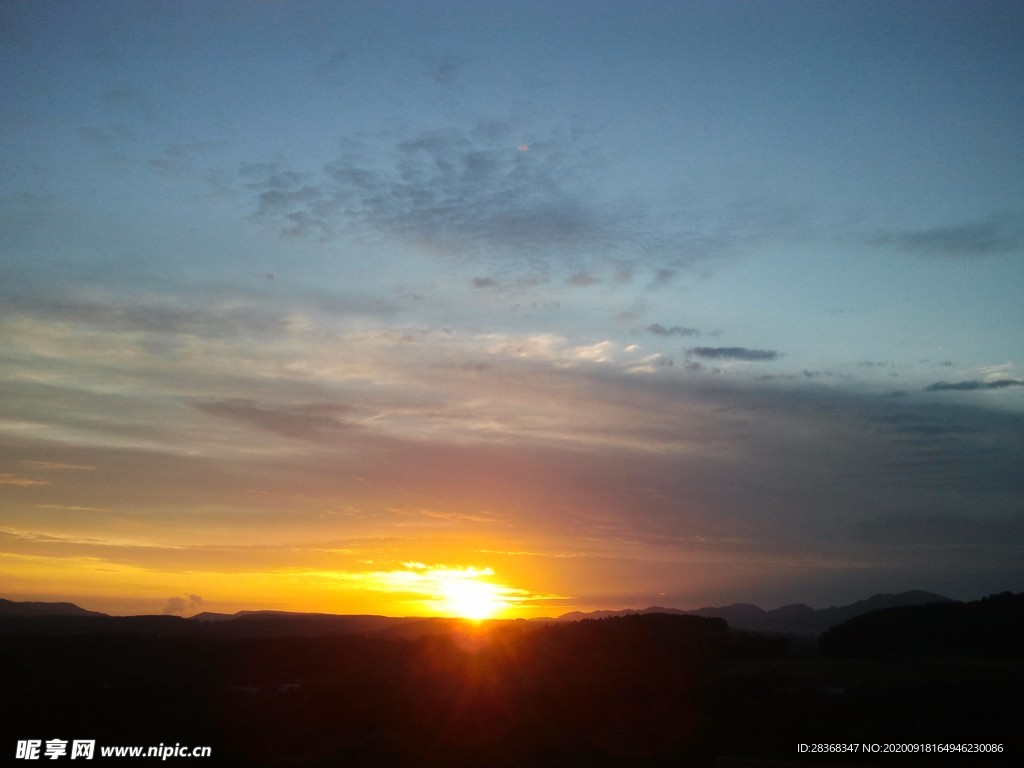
(640, 690)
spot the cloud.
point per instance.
(733, 353)
(973, 385)
(942, 446)
(676, 330)
(985, 238)
(923, 426)
(663, 277)
(474, 193)
(71, 508)
(310, 421)
(759, 473)
(179, 605)
(7, 478)
(446, 190)
(174, 319)
(225, 316)
(54, 465)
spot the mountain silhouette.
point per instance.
(651, 689)
(10, 608)
(793, 619)
(68, 618)
(993, 625)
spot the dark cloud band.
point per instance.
(972, 385)
(733, 353)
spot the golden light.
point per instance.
(464, 595)
(418, 589)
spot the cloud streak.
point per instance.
(676, 330)
(959, 241)
(973, 385)
(307, 421)
(625, 467)
(9, 478)
(734, 353)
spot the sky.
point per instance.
(355, 306)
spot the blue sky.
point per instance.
(629, 303)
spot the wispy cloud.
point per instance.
(993, 237)
(972, 385)
(308, 421)
(451, 191)
(71, 508)
(8, 478)
(733, 353)
(498, 191)
(54, 465)
(622, 465)
(676, 330)
(224, 316)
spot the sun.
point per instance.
(461, 593)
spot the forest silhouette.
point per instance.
(647, 689)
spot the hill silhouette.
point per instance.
(10, 608)
(650, 689)
(794, 619)
(67, 618)
(993, 625)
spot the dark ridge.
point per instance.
(10, 608)
(991, 626)
(795, 619)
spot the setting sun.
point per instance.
(463, 593)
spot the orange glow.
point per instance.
(94, 574)
(464, 595)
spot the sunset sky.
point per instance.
(331, 306)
